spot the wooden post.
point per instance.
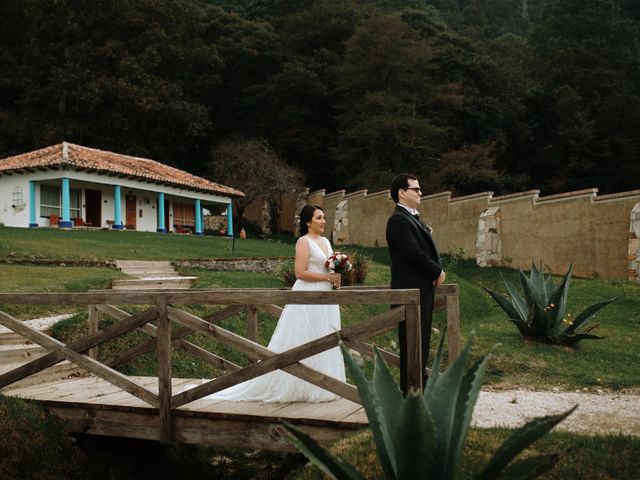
(453, 324)
(414, 347)
(92, 321)
(163, 348)
(252, 324)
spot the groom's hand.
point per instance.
(440, 280)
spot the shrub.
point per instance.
(33, 443)
(421, 435)
(360, 266)
(288, 273)
(540, 310)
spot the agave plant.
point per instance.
(540, 310)
(421, 436)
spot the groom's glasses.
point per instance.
(415, 189)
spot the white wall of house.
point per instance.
(145, 193)
(13, 215)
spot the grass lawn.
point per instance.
(597, 457)
(610, 363)
(122, 245)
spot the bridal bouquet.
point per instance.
(338, 263)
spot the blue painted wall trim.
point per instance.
(229, 220)
(198, 216)
(65, 221)
(161, 227)
(117, 219)
(33, 222)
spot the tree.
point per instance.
(255, 169)
(591, 70)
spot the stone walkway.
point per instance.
(596, 413)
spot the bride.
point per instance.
(300, 324)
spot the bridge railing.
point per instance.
(173, 324)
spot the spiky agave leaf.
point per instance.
(378, 422)
(414, 439)
(330, 464)
(537, 280)
(520, 440)
(510, 310)
(559, 299)
(585, 316)
(519, 302)
(530, 292)
(435, 368)
(530, 468)
(451, 400)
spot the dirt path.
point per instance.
(596, 413)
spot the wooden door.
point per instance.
(93, 203)
(131, 205)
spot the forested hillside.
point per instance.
(472, 95)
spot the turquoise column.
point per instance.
(33, 222)
(65, 221)
(229, 220)
(198, 217)
(161, 226)
(117, 219)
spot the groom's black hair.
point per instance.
(401, 182)
(306, 214)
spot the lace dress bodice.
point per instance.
(317, 264)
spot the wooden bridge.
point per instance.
(100, 400)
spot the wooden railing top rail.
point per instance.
(221, 296)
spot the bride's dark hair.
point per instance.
(305, 216)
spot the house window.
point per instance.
(51, 201)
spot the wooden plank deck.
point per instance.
(94, 406)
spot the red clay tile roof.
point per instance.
(84, 158)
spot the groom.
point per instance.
(415, 262)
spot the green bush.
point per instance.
(422, 435)
(33, 443)
(540, 310)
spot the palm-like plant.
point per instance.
(421, 435)
(540, 310)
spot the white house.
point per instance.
(70, 185)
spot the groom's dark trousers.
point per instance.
(415, 263)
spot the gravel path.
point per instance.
(43, 323)
(596, 412)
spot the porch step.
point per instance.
(146, 269)
(143, 263)
(150, 275)
(176, 282)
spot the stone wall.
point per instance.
(271, 265)
(599, 234)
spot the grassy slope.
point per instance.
(517, 362)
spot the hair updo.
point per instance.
(305, 216)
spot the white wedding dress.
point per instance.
(298, 324)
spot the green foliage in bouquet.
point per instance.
(422, 435)
(540, 310)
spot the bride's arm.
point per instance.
(302, 263)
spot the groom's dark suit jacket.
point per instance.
(415, 263)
